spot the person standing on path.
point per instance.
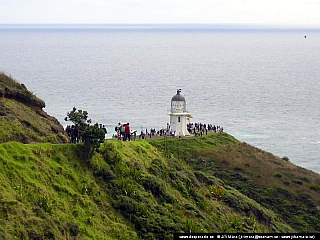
(127, 131)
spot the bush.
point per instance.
(237, 224)
(158, 188)
(216, 192)
(315, 187)
(106, 173)
(158, 168)
(285, 158)
(74, 229)
(193, 227)
(278, 175)
(45, 203)
(91, 135)
(297, 182)
(151, 221)
(131, 207)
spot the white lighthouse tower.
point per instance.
(179, 115)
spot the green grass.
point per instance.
(259, 175)
(12, 89)
(22, 118)
(11, 130)
(140, 190)
(22, 123)
(48, 190)
(144, 181)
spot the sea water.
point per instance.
(261, 83)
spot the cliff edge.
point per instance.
(22, 118)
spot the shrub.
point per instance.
(297, 182)
(126, 186)
(45, 203)
(204, 205)
(236, 223)
(130, 207)
(315, 187)
(278, 175)
(74, 229)
(238, 169)
(158, 188)
(180, 181)
(158, 168)
(106, 173)
(193, 227)
(285, 158)
(235, 200)
(216, 192)
(91, 135)
(253, 223)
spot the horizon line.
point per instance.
(248, 24)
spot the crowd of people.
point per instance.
(123, 131)
(153, 133)
(74, 133)
(200, 128)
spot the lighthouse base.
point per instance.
(178, 124)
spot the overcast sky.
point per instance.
(293, 12)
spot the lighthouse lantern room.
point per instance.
(179, 115)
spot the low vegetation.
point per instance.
(131, 190)
(142, 189)
(290, 191)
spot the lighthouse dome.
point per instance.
(178, 103)
(178, 96)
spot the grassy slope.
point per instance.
(129, 190)
(164, 195)
(22, 118)
(291, 191)
(48, 191)
(12, 89)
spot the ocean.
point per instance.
(261, 83)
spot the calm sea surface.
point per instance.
(261, 84)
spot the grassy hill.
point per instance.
(22, 118)
(136, 190)
(290, 191)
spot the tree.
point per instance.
(91, 135)
(78, 117)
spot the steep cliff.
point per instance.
(22, 118)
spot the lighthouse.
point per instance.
(179, 115)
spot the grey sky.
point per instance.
(295, 12)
